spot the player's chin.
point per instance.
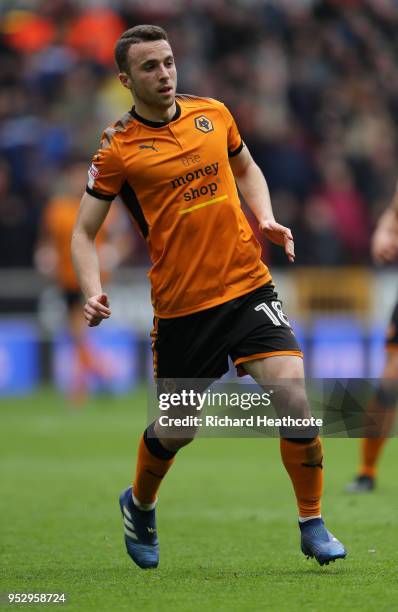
(167, 98)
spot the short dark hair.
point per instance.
(133, 36)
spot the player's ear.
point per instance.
(125, 80)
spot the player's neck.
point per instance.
(151, 113)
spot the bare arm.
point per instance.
(385, 237)
(254, 188)
(91, 216)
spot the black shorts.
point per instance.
(392, 330)
(249, 327)
(72, 298)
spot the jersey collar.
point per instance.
(156, 124)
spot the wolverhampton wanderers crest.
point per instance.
(203, 124)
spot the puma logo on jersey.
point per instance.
(151, 146)
(313, 465)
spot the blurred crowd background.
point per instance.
(312, 84)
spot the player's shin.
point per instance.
(302, 458)
(153, 463)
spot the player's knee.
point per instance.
(387, 394)
(290, 398)
(298, 423)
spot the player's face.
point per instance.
(152, 75)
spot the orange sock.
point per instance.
(370, 453)
(380, 417)
(303, 463)
(153, 463)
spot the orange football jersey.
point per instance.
(176, 181)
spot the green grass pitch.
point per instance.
(227, 518)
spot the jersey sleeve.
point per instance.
(235, 142)
(105, 175)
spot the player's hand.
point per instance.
(281, 235)
(384, 245)
(96, 309)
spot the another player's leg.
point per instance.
(380, 421)
(301, 456)
(85, 362)
(77, 393)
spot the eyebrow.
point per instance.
(156, 61)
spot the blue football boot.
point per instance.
(140, 533)
(318, 542)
